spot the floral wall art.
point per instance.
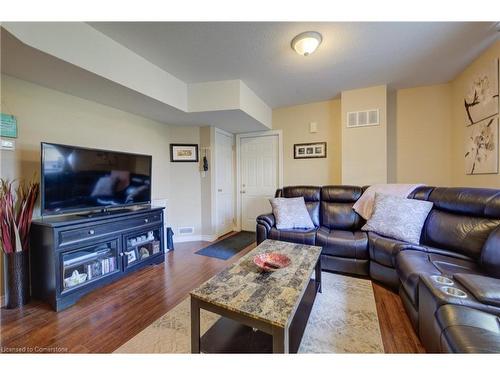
(481, 122)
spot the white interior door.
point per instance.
(224, 182)
(259, 166)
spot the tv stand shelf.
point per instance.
(73, 255)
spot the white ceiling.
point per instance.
(30, 64)
(352, 55)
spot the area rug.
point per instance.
(229, 246)
(343, 320)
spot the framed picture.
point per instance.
(309, 150)
(131, 256)
(481, 147)
(481, 95)
(183, 153)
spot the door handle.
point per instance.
(219, 190)
(242, 191)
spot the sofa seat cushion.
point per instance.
(383, 250)
(342, 243)
(467, 330)
(302, 236)
(410, 264)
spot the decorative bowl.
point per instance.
(271, 261)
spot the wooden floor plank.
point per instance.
(397, 332)
(107, 318)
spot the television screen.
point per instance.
(82, 179)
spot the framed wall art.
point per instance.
(309, 150)
(183, 153)
(481, 121)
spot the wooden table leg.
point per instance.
(280, 340)
(317, 275)
(195, 326)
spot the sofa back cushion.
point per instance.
(336, 207)
(421, 193)
(311, 194)
(462, 219)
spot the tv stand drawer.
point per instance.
(95, 231)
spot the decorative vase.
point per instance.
(17, 279)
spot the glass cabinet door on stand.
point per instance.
(87, 265)
(141, 246)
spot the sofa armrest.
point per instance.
(264, 225)
(383, 249)
(485, 289)
(267, 219)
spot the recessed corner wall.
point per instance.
(364, 149)
(423, 135)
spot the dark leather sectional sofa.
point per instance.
(460, 240)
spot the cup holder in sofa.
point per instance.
(443, 280)
(454, 292)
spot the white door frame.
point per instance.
(213, 181)
(264, 133)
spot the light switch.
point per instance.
(313, 127)
(8, 144)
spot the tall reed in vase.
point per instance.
(16, 212)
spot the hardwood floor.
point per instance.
(397, 332)
(105, 319)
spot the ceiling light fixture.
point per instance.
(306, 43)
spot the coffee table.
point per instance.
(260, 311)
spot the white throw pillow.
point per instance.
(291, 213)
(398, 218)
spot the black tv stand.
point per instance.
(73, 255)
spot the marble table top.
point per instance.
(271, 297)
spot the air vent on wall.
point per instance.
(185, 231)
(369, 117)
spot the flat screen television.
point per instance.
(83, 179)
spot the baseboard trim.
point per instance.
(198, 237)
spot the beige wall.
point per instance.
(184, 199)
(48, 115)
(364, 149)
(459, 86)
(294, 122)
(423, 135)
